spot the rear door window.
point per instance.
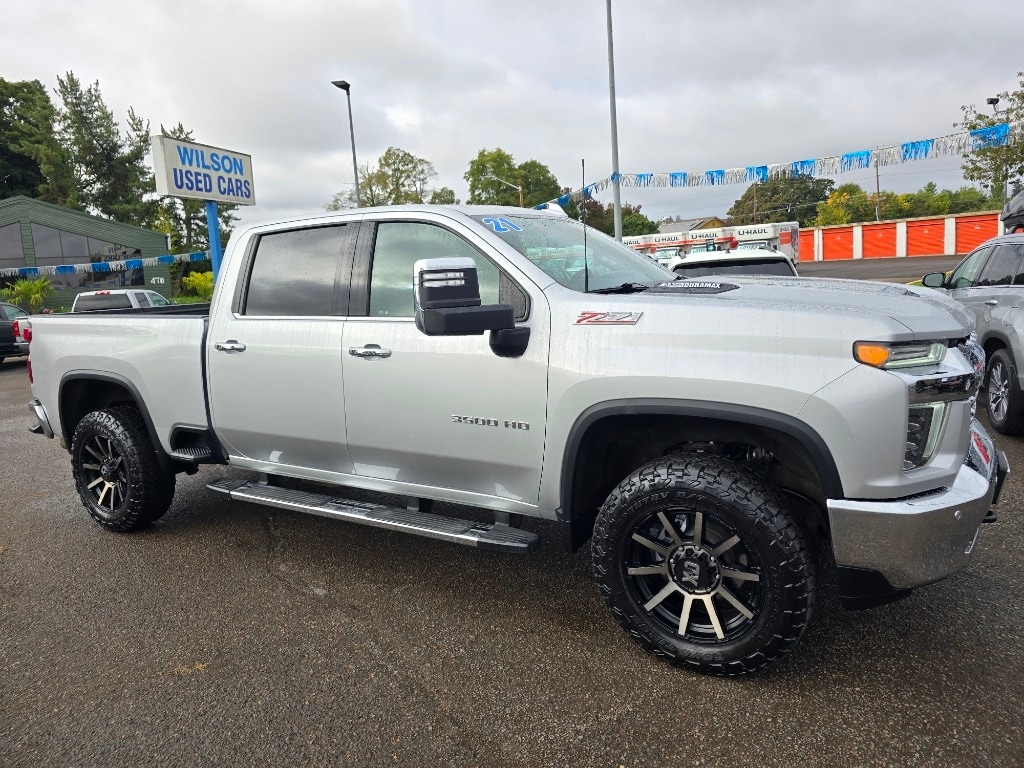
(1001, 266)
(142, 299)
(296, 273)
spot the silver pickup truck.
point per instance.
(706, 436)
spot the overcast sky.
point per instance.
(700, 85)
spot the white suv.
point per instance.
(748, 261)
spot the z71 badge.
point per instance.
(608, 318)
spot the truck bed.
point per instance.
(177, 310)
(158, 351)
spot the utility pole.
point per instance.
(616, 196)
(878, 190)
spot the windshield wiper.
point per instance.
(624, 288)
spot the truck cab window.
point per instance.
(293, 273)
(400, 244)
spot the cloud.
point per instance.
(698, 85)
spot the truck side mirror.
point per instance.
(934, 280)
(447, 300)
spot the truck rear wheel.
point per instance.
(702, 562)
(116, 470)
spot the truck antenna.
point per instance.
(583, 198)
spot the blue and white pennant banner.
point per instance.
(103, 266)
(924, 149)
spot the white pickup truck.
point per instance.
(706, 436)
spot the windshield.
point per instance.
(745, 267)
(556, 246)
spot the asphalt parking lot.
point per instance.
(230, 634)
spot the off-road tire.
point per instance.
(729, 501)
(1004, 402)
(111, 452)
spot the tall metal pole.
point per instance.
(878, 190)
(616, 198)
(346, 87)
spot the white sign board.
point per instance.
(184, 169)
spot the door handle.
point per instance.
(369, 352)
(992, 302)
(230, 346)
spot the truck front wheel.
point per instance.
(703, 563)
(116, 470)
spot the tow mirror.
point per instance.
(934, 279)
(447, 300)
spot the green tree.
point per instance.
(482, 176)
(847, 204)
(29, 293)
(794, 198)
(199, 284)
(32, 161)
(20, 173)
(538, 182)
(109, 167)
(398, 177)
(637, 224)
(443, 196)
(994, 166)
(602, 217)
(492, 171)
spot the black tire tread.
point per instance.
(152, 494)
(763, 504)
(1014, 424)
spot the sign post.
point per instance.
(213, 226)
(200, 172)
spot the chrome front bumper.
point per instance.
(924, 538)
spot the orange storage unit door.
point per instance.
(879, 240)
(972, 231)
(807, 245)
(837, 243)
(926, 237)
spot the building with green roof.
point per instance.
(61, 243)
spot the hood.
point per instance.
(917, 312)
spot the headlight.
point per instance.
(924, 425)
(903, 355)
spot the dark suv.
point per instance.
(11, 345)
(990, 282)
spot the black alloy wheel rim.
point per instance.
(998, 392)
(106, 474)
(693, 575)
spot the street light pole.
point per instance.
(993, 101)
(616, 198)
(345, 86)
(509, 184)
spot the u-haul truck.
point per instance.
(663, 246)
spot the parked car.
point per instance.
(748, 261)
(11, 343)
(990, 282)
(118, 298)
